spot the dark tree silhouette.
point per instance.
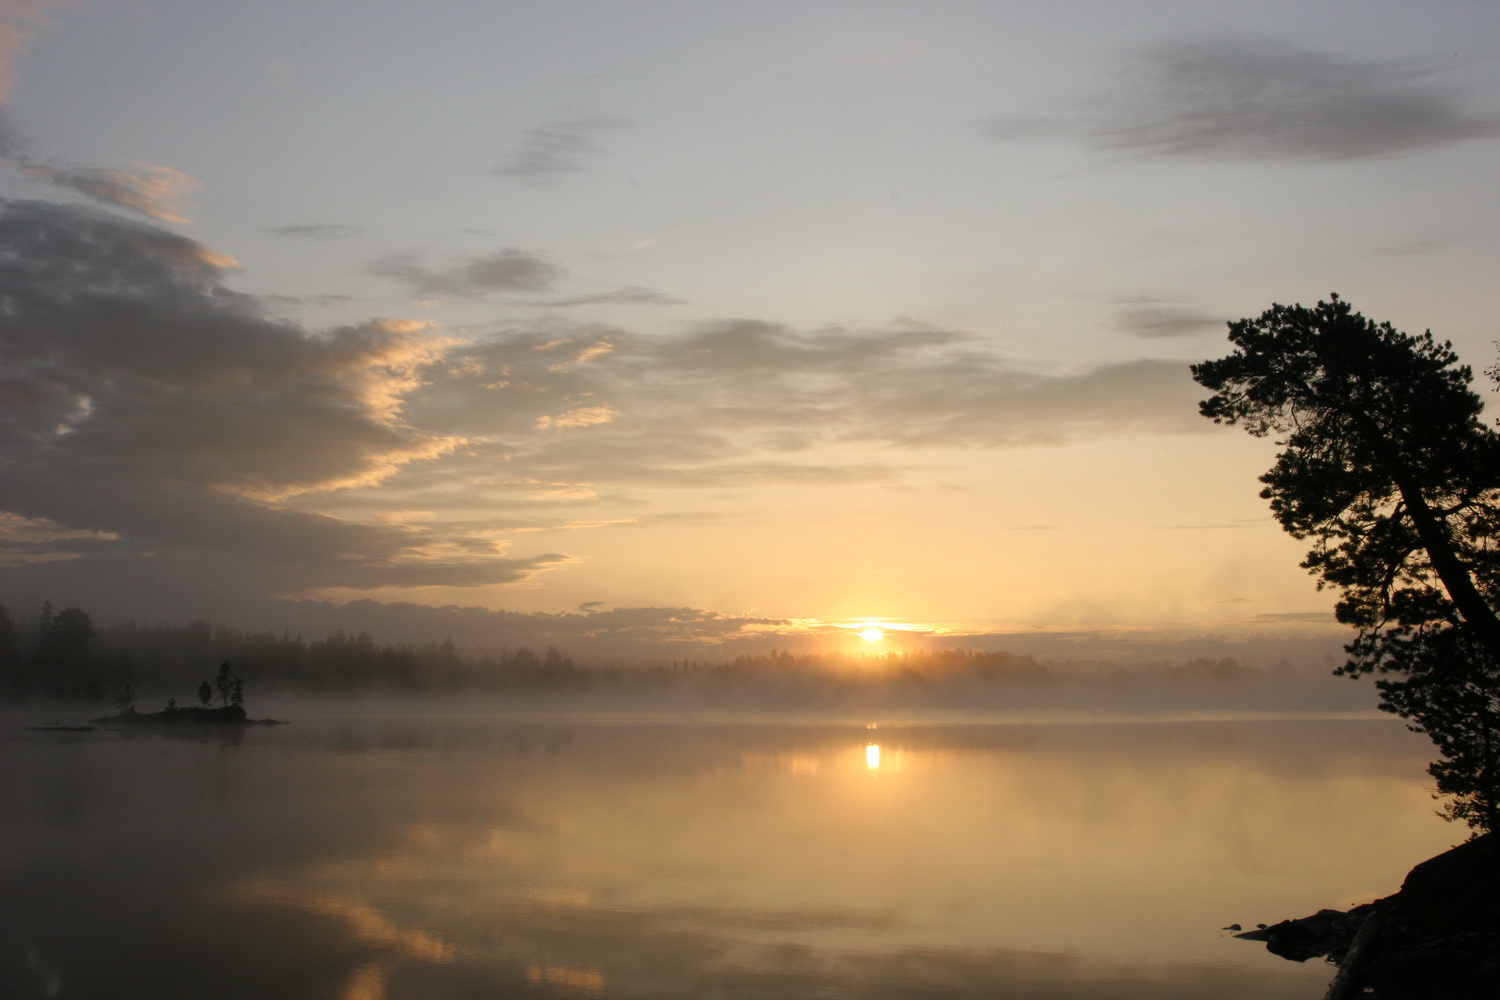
(126, 699)
(231, 690)
(1449, 688)
(62, 652)
(1388, 468)
(10, 660)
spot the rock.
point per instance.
(1456, 892)
(1325, 932)
(1439, 938)
(1425, 974)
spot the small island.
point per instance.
(230, 711)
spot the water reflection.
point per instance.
(388, 858)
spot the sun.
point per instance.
(871, 634)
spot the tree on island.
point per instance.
(1387, 466)
(125, 700)
(231, 688)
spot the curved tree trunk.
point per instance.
(1455, 576)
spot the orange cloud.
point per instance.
(583, 416)
(151, 189)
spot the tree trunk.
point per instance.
(1450, 569)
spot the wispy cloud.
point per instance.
(151, 189)
(1155, 321)
(317, 232)
(555, 148)
(743, 402)
(506, 270)
(1260, 99)
(632, 296)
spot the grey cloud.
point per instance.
(977, 403)
(146, 401)
(1156, 321)
(1258, 99)
(744, 402)
(284, 302)
(591, 630)
(555, 148)
(751, 345)
(507, 270)
(632, 296)
(318, 232)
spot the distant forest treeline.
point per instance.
(60, 654)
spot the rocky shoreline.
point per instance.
(1438, 938)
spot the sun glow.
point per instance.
(887, 633)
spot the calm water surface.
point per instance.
(483, 857)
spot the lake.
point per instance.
(395, 854)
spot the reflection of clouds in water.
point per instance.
(367, 924)
(479, 860)
(570, 980)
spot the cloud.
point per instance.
(555, 148)
(317, 232)
(27, 540)
(151, 189)
(1157, 321)
(153, 421)
(1260, 99)
(591, 630)
(506, 270)
(744, 402)
(979, 402)
(632, 296)
(170, 420)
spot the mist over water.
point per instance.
(362, 855)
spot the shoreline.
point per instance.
(1436, 938)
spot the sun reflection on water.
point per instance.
(366, 983)
(872, 756)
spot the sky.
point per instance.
(725, 320)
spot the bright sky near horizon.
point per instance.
(810, 310)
